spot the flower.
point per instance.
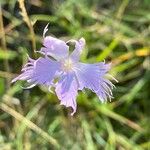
(71, 74)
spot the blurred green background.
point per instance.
(115, 30)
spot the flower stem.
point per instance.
(29, 24)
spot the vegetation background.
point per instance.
(115, 30)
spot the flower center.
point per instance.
(67, 65)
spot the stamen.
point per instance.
(67, 65)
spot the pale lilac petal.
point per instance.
(66, 90)
(88, 75)
(92, 76)
(40, 71)
(104, 93)
(54, 47)
(79, 45)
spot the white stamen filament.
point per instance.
(67, 65)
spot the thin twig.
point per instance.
(29, 24)
(121, 10)
(28, 123)
(7, 75)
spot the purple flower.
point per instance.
(63, 71)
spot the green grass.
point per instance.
(115, 31)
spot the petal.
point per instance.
(54, 47)
(91, 76)
(40, 71)
(79, 45)
(66, 90)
